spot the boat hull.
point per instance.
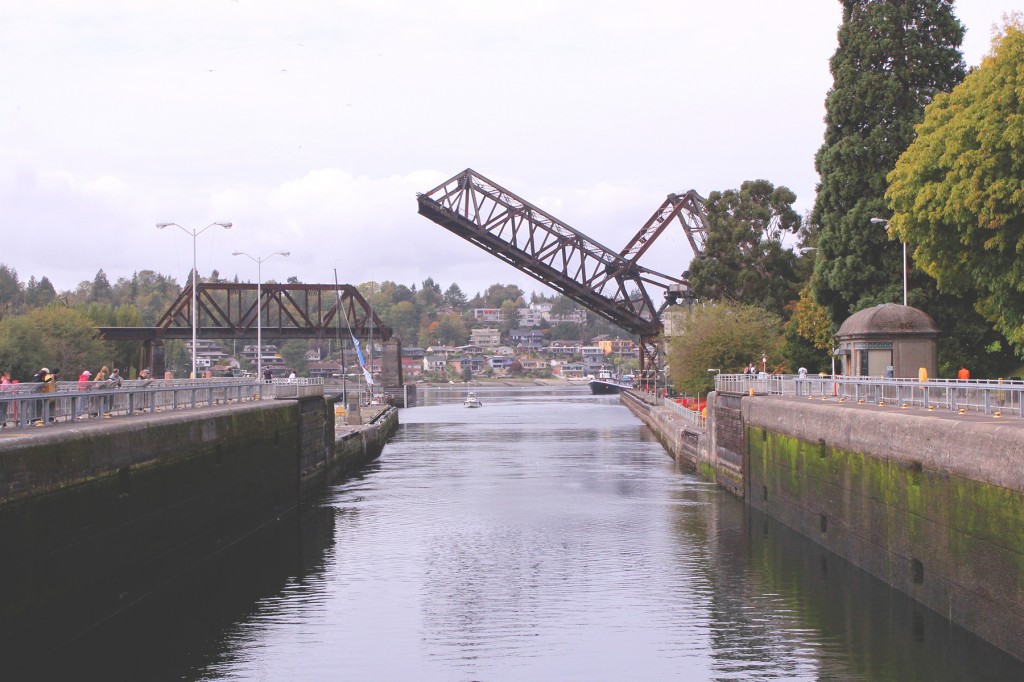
(602, 387)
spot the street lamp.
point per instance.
(883, 221)
(194, 233)
(259, 304)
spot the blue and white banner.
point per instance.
(362, 362)
(359, 351)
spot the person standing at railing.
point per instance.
(100, 382)
(84, 379)
(36, 409)
(50, 386)
(964, 374)
(143, 400)
(5, 382)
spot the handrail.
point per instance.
(22, 405)
(1000, 397)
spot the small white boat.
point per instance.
(472, 401)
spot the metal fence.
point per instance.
(693, 417)
(29, 404)
(995, 397)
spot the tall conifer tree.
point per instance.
(893, 57)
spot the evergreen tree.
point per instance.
(10, 291)
(454, 297)
(894, 56)
(101, 289)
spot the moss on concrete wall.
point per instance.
(953, 542)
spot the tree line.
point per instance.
(40, 326)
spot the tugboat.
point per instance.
(606, 383)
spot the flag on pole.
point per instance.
(359, 351)
(362, 362)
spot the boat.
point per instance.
(606, 383)
(472, 400)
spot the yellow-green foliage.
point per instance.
(958, 191)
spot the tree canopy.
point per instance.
(724, 336)
(957, 193)
(744, 259)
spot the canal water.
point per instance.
(544, 536)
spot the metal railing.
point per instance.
(28, 404)
(691, 416)
(998, 397)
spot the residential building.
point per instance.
(616, 346)
(413, 352)
(593, 357)
(435, 363)
(568, 370)
(562, 348)
(534, 365)
(500, 362)
(488, 315)
(412, 367)
(475, 363)
(531, 317)
(486, 337)
(527, 339)
(324, 370)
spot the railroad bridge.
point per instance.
(284, 311)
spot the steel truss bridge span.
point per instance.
(289, 311)
(610, 283)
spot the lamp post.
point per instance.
(883, 221)
(259, 304)
(195, 233)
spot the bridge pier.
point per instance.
(152, 357)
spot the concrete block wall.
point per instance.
(934, 507)
(96, 517)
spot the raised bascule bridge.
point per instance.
(612, 284)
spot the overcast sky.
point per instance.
(312, 124)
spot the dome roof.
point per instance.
(888, 319)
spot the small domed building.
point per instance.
(873, 340)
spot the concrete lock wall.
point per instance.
(97, 517)
(934, 507)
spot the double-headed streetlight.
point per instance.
(883, 221)
(259, 304)
(194, 233)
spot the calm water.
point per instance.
(546, 536)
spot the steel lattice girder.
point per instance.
(289, 311)
(688, 208)
(535, 242)
(611, 284)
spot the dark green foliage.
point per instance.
(744, 259)
(454, 298)
(893, 57)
